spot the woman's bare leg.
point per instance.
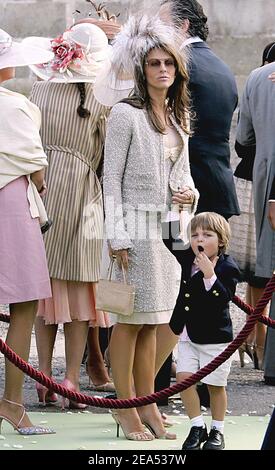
(22, 317)
(95, 364)
(122, 355)
(45, 338)
(166, 340)
(260, 328)
(76, 333)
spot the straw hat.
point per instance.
(15, 54)
(79, 54)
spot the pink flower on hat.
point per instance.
(65, 53)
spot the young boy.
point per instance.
(201, 315)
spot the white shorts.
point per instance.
(193, 356)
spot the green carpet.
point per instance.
(98, 432)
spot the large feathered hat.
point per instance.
(138, 37)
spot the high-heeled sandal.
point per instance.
(166, 435)
(26, 430)
(131, 436)
(66, 403)
(165, 421)
(105, 387)
(245, 348)
(45, 396)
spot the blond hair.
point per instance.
(214, 222)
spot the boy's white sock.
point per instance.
(197, 421)
(219, 425)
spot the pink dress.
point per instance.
(72, 300)
(23, 267)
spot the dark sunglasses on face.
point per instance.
(156, 63)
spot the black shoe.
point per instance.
(197, 435)
(269, 380)
(215, 441)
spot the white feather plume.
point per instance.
(138, 36)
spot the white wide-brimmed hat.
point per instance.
(79, 54)
(15, 54)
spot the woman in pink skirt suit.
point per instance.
(24, 275)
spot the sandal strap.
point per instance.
(17, 404)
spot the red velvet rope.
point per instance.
(146, 400)
(249, 310)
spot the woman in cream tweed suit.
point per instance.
(146, 160)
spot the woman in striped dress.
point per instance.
(73, 137)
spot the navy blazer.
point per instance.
(272, 191)
(214, 97)
(204, 313)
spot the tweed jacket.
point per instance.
(204, 313)
(134, 170)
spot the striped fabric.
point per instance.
(74, 200)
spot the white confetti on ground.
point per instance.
(18, 446)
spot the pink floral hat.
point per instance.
(79, 54)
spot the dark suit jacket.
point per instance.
(272, 191)
(247, 154)
(204, 313)
(214, 98)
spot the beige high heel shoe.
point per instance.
(131, 436)
(105, 387)
(26, 430)
(166, 435)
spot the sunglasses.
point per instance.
(156, 63)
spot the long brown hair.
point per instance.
(178, 99)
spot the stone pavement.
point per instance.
(247, 393)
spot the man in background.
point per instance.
(214, 98)
(257, 124)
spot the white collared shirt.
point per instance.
(191, 40)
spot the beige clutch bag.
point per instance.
(113, 296)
